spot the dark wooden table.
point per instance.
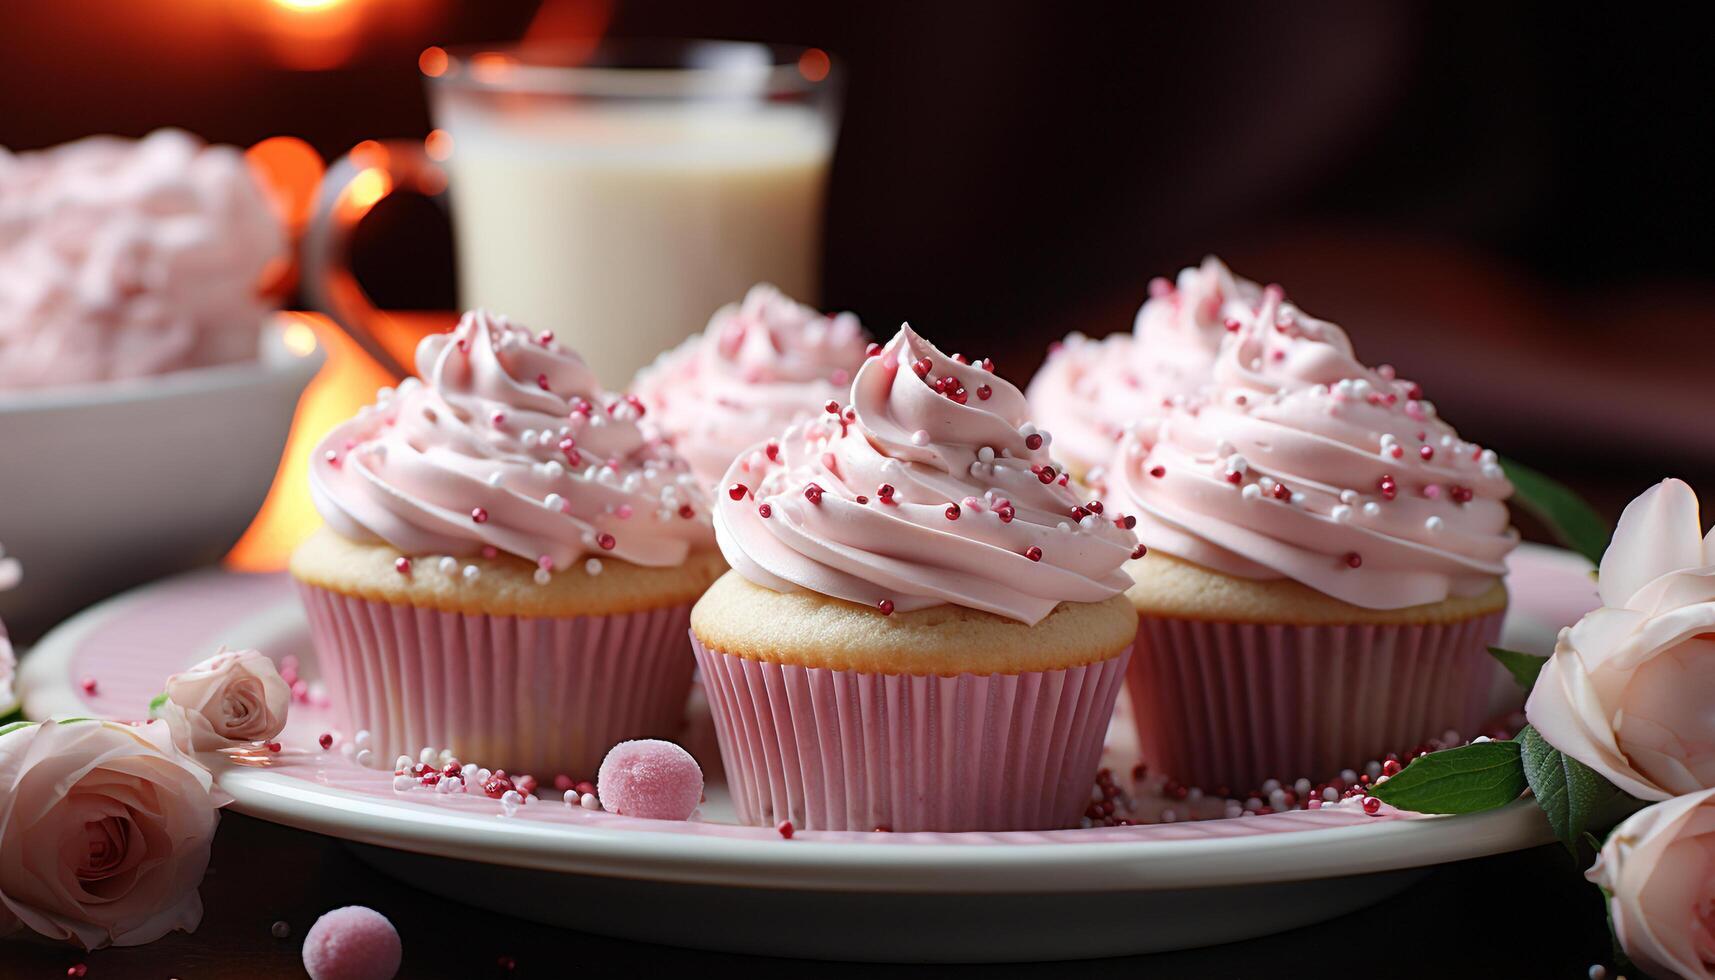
(1516, 915)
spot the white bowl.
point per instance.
(104, 486)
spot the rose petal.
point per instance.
(1658, 533)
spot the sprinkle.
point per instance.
(952, 512)
(772, 449)
(1434, 525)
(542, 381)
(813, 494)
(88, 684)
(886, 607)
(1139, 552)
(1158, 471)
(1251, 491)
(325, 740)
(449, 565)
(1372, 509)
(1389, 489)
(1427, 452)
(922, 366)
(784, 827)
(1033, 441)
(593, 566)
(920, 438)
(1341, 513)
(1033, 553)
(983, 392)
(605, 540)
(471, 572)
(542, 576)
(832, 407)
(873, 350)
(479, 515)
(884, 493)
(1354, 560)
(737, 491)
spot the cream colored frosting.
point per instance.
(507, 443)
(977, 515)
(1090, 392)
(1300, 462)
(123, 258)
(760, 366)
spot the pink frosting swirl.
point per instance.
(1302, 463)
(507, 443)
(929, 488)
(1090, 392)
(757, 368)
(124, 258)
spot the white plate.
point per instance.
(708, 883)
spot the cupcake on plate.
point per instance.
(121, 258)
(760, 366)
(509, 563)
(1090, 392)
(1324, 568)
(924, 627)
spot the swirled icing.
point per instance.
(758, 367)
(1300, 462)
(507, 442)
(1090, 392)
(124, 258)
(976, 514)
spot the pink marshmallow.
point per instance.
(352, 943)
(650, 778)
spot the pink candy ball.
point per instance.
(352, 943)
(650, 778)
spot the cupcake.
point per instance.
(122, 258)
(509, 563)
(758, 367)
(1090, 392)
(1324, 567)
(924, 628)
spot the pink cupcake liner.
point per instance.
(1235, 704)
(847, 750)
(529, 694)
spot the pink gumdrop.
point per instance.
(650, 778)
(352, 943)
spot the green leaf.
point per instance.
(161, 698)
(14, 726)
(1479, 776)
(1523, 666)
(1573, 522)
(1566, 789)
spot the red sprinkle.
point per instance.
(1389, 489)
(765, 511)
(785, 828)
(479, 515)
(1233, 326)
(687, 511)
(1033, 441)
(77, 970)
(1372, 806)
(832, 407)
(1033, 553)
(813, 494)
(872, 350)
(1460, 495)
(402, 565)
(1158, 471)
(88, 685)
(1235, 478)
(886, 607)
(1094, 506)
(1128, 521)
(1281, 492)
(960, 359)
(497, 786)
(1427, 452)
(737, 491)
(922, 366)
(606, 541)
(952, 512)
(885, 493)
(772, 450)
(271, 746)
(861, 499)
(325, 740)
(1354, 559)
(1006, 514)
(542, 381)
(1390, 767)
(1046, 475)
(983, 392)
(1139, 552)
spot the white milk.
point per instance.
(623, 228)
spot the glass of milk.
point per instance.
(619, 195)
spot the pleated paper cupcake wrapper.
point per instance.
(1235, 704)
(538, 695)
(847, 750)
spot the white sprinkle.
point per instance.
(554, 501)
(1089, 522)
(529, 436)
(1298, 499)
(986, 454)
(1372, 509)
(494, 479)
(1434, 525)
(1330, 795)
(1341, 513)
(1481, 738)
(1348, 776)
(469, 772)
(1373, 768)
(554, 468)
(589, 802)
(426, 756)
(571, 797)
(1063, 527)
(1301, 787)
(445, 786)
(449, 565)
(542, 577)
(920, 438)
(1348, 496)
(403, 762)
(361, 739)
(593, 566)
(1272, 786)
(365, 758)
(1251, 492)
(402, 783)
(471, 572)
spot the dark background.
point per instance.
(1511, 203)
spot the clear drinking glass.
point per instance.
(619, 195)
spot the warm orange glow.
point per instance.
(438, 144)
(433, 61)
(292, 170)
(308, 35)
(370, 153)
(307, 4)
(368, 187)
(574, 24)
(814, 64)
(345, 383)
(490, 66)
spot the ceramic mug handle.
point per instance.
(354, 184)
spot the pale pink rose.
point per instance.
(1628, 689)
(1658, 869)
(104, 832)
(234, 696)
(8, 661)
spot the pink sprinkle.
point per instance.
(606, 541)
(498, 419)
(402, 565)
(479, 515)
(1432, 490)
(545, 563)
(490, 551)
(542, 381)
(88, 685)
(623, 512)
